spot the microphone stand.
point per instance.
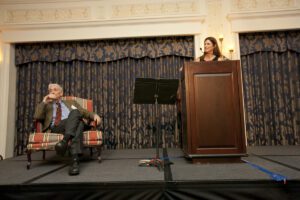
(155, 91)
(155, 162)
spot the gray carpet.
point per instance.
(107, 171)
(275, 150)
(15, 172)
(291, 174)
(184, 170)
(130, 154)
(122, 166)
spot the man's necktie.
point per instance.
(58, 114)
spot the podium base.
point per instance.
(215, 158)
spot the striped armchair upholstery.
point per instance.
(39, 141)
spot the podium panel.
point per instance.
(212, 111)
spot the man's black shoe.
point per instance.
(74, 168)
(61, 147)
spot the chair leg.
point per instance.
(28, 159)
(44, 154)
(99, 154)
(91, 152)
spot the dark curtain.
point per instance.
(271, 82)
(105, 72)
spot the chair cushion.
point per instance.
(92, 138)
(35, 138)
(47, 141)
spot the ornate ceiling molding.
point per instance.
(264, 14)
(23, 16)
(260, 15)
(259, 5)
(96, 12)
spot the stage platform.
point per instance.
(267, 173)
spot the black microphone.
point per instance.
(201, 50)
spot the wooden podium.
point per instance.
(212, 118)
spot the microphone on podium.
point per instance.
(198, 58)
(201, 50)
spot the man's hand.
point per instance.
(49, 98)
(97, 119)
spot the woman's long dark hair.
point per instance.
(216, 51)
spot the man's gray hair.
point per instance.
(55, 85)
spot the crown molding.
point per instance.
(263, 14)
(109, 22)
(15, 2)
(65, 13)
(265, 20)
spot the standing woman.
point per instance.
(211, 50)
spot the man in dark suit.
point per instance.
(65, 117)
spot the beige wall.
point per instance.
(54, 20)
(7, 100)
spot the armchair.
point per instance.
(40, 141)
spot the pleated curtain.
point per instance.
(104, 71)
(271, 79)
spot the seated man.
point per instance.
(64, 117)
